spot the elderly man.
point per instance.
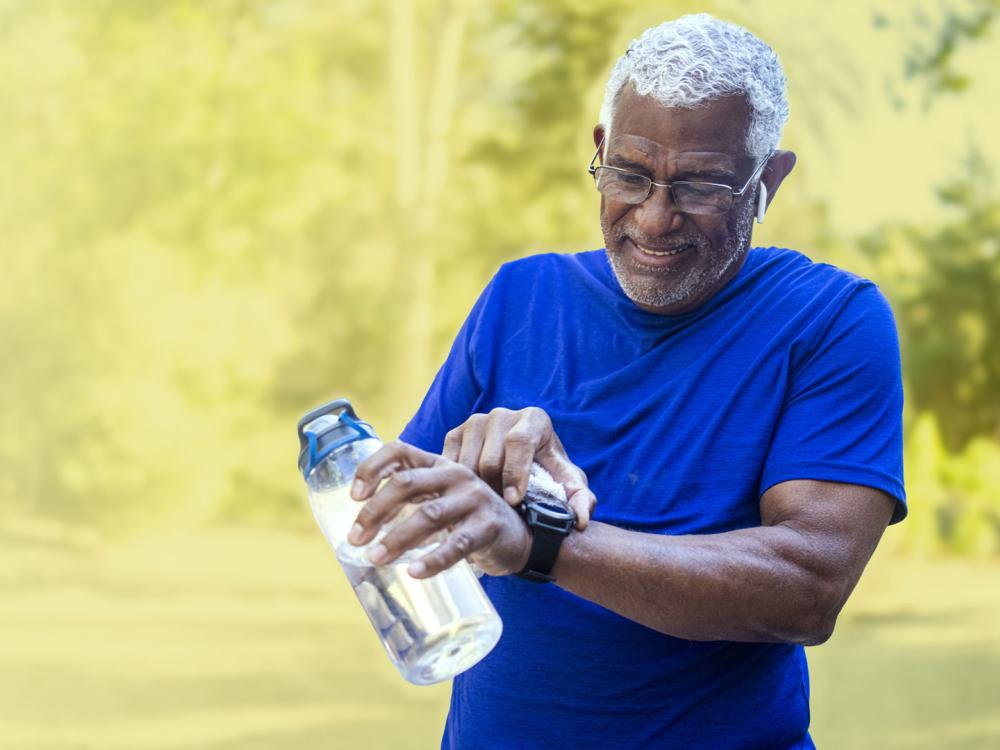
(737, 411)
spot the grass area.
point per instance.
(242, 640)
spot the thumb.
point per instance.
(574, 481)
(582, 502)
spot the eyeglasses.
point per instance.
(690, 197)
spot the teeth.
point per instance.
(647, 251)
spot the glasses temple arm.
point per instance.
(590, 167)
(756, 173)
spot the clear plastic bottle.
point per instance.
(431, 628)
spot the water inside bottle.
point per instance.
(432, 628)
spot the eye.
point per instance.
(700, 189)
(631, 179)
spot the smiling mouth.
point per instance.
(662, 253)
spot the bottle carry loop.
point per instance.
(313, 452)
(316, 456)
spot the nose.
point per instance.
(658, 215)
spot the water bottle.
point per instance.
(431, 628)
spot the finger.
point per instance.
(429, 518)
(403, 487)
(582, 502)
(491, 457)
(519, 453)
(472, 441)
(463, 541)
(384, 462)
(453, 443)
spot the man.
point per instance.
(737, 411)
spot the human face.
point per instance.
(666, 261)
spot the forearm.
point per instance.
(768, 584)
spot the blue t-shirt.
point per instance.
(681, 423)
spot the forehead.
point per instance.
(714, 131)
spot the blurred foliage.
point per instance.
(955, 494)
(943, 282)
(217, 215)
(936, 32)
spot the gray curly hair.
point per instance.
(698, 58)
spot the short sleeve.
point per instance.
(455, 389)
(842, 416)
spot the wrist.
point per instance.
(524, 548)
(549, 521)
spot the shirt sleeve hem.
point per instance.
(847, 474)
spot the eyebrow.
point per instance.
(695, 172)
(716, 172)
(627, 164)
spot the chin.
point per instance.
(671, 290)
(653, 287)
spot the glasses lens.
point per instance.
(702, 198)
(621, 186)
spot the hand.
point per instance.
(449, 497)
(501, 446)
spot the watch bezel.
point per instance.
(549, 514)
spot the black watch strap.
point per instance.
(545, 546)
(550, 521)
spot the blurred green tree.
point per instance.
(944, 285)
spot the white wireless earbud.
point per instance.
(761, 203)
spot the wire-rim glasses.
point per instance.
(690, 197)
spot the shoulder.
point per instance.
(818, 308)
(793, 281)
(550, 264)
(793, 269)
(547, 275)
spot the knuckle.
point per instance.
(432, 511)
(366, 515)
(538, 414)
(463, 542)
(401, 478)
(519, 439)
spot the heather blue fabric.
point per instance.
(681, 422)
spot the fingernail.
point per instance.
(417, 568)
(356, 533)
(510, 495)
(357, 489)
(378, 554)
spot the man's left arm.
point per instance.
(784, 581)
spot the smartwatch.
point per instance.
(550, 520)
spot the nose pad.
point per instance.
(658, 215)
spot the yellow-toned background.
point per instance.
(215, 215)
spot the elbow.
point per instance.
(817, 631)
(819, 608)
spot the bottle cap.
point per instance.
(324, 430)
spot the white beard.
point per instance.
(671, 288)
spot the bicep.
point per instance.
(841, 421)
(837, 525)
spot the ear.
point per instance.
(598, 137)
(776, 171)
